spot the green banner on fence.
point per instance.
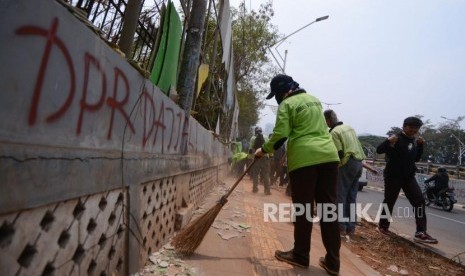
(164, 71)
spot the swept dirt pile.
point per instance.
(396, 255)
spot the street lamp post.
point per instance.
(274, 108)
(279, 42)
(329, 104)
(461, 145)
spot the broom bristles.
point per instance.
(188, 239)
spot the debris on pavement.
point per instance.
(166, 262)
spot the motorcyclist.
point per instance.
(441, 181)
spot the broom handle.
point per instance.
(224, 198)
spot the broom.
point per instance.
(188, 239)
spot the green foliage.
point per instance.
(369, 144)
(252, 34)
(248, 115)
(393, 130)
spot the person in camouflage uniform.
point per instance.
(261, 168)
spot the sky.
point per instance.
(381, 60)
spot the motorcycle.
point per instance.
(444, 198)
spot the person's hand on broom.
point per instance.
(259, 153)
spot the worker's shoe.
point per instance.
(323, 264)
(291, 258)
(424, 238)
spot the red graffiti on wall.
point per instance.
(159, 123)
(147, 99)
(115, 104)
(51, 39)
(83, 104)
(152, 119)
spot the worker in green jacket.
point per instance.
(352, 158)
(312, 164)
(239, 159)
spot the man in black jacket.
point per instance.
(402, 151)
(441, 181)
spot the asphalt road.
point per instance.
(447, 227)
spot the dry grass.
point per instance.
(381, 252)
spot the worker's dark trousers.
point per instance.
(261, 173)
(316, 183)
(347, 188)
(412, 192)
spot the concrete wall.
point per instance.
(95, 161)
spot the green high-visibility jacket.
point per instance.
(300, 119)
(347, 143)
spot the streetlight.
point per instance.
(461, 147)
(460, 143)
(328, 104)
(274, 108)
(279, 42)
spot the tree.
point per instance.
(252, 34)
(433, 141)
(369, 144)
(452, 137)
(191, 55)
(393, 130)
(248, 116)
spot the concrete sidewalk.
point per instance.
(240, 242)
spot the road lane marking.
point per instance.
(461, 222)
